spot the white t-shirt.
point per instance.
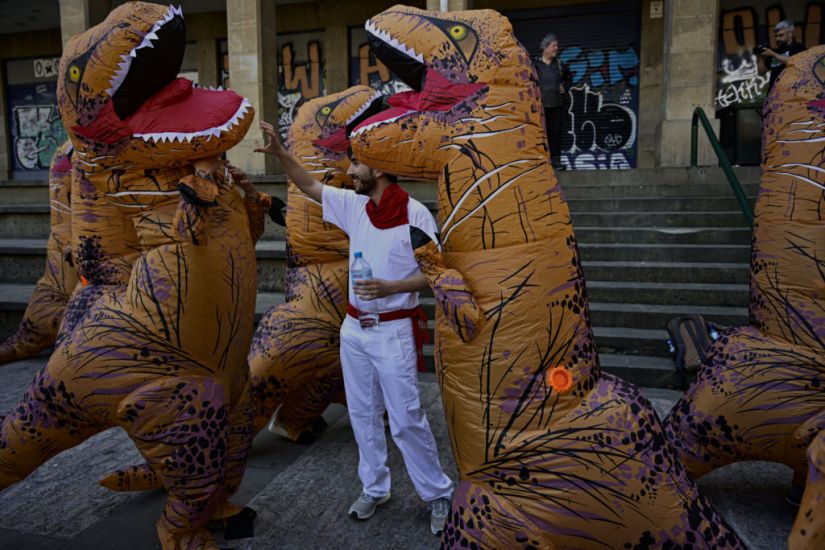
(388, 251)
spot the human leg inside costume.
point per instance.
(296, 368)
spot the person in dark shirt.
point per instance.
(554, 82)
(775, 60)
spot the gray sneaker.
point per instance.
(439, 510)
(365, 505)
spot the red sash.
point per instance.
(419, 325)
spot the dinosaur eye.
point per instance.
(326, 110)
(74, 73)
(458, 32)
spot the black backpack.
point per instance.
(691, 337)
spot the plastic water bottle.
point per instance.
(361, 271)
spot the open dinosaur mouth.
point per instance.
(149, 101)
(431, 91)
(337, 141)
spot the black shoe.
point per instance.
(306, 438)
(239, 526)
(794, 495)
(319, 425)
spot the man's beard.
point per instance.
(365, 187)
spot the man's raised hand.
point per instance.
(273, 144)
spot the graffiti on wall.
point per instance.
(601, 125)
(35, 125)
(741, 27)
(367, 69)
(300, 74)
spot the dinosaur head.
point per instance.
(318, 135)
(120, 98)
(470, 80)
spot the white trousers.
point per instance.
(379, 367)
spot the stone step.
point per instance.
(715, 203)
(654, 372)
(667, 272)
(665, 235)
(737, 253)
(22, 260)
(24, 192)
(31, 221)
(27, 221)
(641, 368)
(644, 183)
(729, 295)
(632, 341)
(663, 190)
(727, 218)
(24, 221)
(656, 316)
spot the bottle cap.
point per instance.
(358, 254)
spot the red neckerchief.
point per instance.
(392, 208)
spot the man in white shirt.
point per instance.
(379, 363)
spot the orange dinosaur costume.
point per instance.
(161, 353)
(552, 453)
(294, 358)
(762, 386)
(38, 329)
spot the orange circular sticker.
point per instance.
(560, 379)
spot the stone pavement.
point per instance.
(302, 493)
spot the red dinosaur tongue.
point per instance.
(178, 107)
(438, 94)
(337, 142)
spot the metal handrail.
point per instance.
(699, 115)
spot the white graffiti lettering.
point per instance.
(596, 161)
(740, 82)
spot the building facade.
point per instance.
(639, 67)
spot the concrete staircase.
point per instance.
(655, 244)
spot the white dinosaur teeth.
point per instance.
(388, 39)
(171, 137)
(380, 122)
(365, 106)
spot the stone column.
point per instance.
(253, 73)
(208, 74)
(78, 15)
(650, 87)
(452, 5)
(336, 54)
(689, 68)
(5, 131)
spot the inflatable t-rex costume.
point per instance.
(38, 329)
(294, 358)
(552, 453)
(163, 356)
(762, 385)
